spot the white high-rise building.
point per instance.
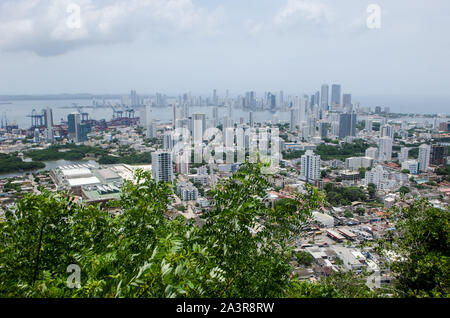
(424, 157)
(385, 149)
(198, 127)
(372, 152)
(293, 121)
(168, 141)
(174, 115)
(324, 97)
(281, 99)
(404, 154)
(162, 166)
(310, 166)
(377, 176)
(182, 162)
(412, 165)
(148, 118)
(302, 111)
(152, 130)
(215, 117)
(49, 131)
(369, 125)
(387, 131)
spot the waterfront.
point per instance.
(17, 111)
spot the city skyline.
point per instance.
(294, 45)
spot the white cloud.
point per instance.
(41, 26)
(296, 11)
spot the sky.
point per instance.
(176, 46)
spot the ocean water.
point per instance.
(17, 112)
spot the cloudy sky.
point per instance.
(174, 46)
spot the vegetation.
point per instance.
(9, 186)
(243, 249)
(65, 152)
(404, 190)
(346, 150)
(296, 154)
(133, 158)
(422, 265)
(12, 163)
(304, 258)
(339, 285)
(336, 195)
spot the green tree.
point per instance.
(304, 258)
(422, 267)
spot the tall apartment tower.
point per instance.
(215, 117)
(404, 154)
(347, 100)
(310, 166)
(293, 121)
(439, 155)
(424, 157)
(198, 127)
(335, 95)
(174, 115)
(49, 120)
(324, 100)
(162, 166)
(74, 121)
(347, 125)
(385, 149)
(387, 130)
(323, 130)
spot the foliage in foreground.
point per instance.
(242, 250)
(421, 250)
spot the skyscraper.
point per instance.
(347, 125)
(302, 112)
(174, 115)
(439, 155)
(310, 166)
(385, 149)
(215, 117)
(404, 154)
(148, 117)
(292, 126)
(49, 120)
(168, 141)
(347, 100)
(198, 127)
(134, 98)
(335, 95)
(281, 99)
(74, 121)
(369, 125)
(324, 101)
(317, 99)
(251, 122)
(387, 130)
(323, 130)
(424, 157)
(162, 166)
